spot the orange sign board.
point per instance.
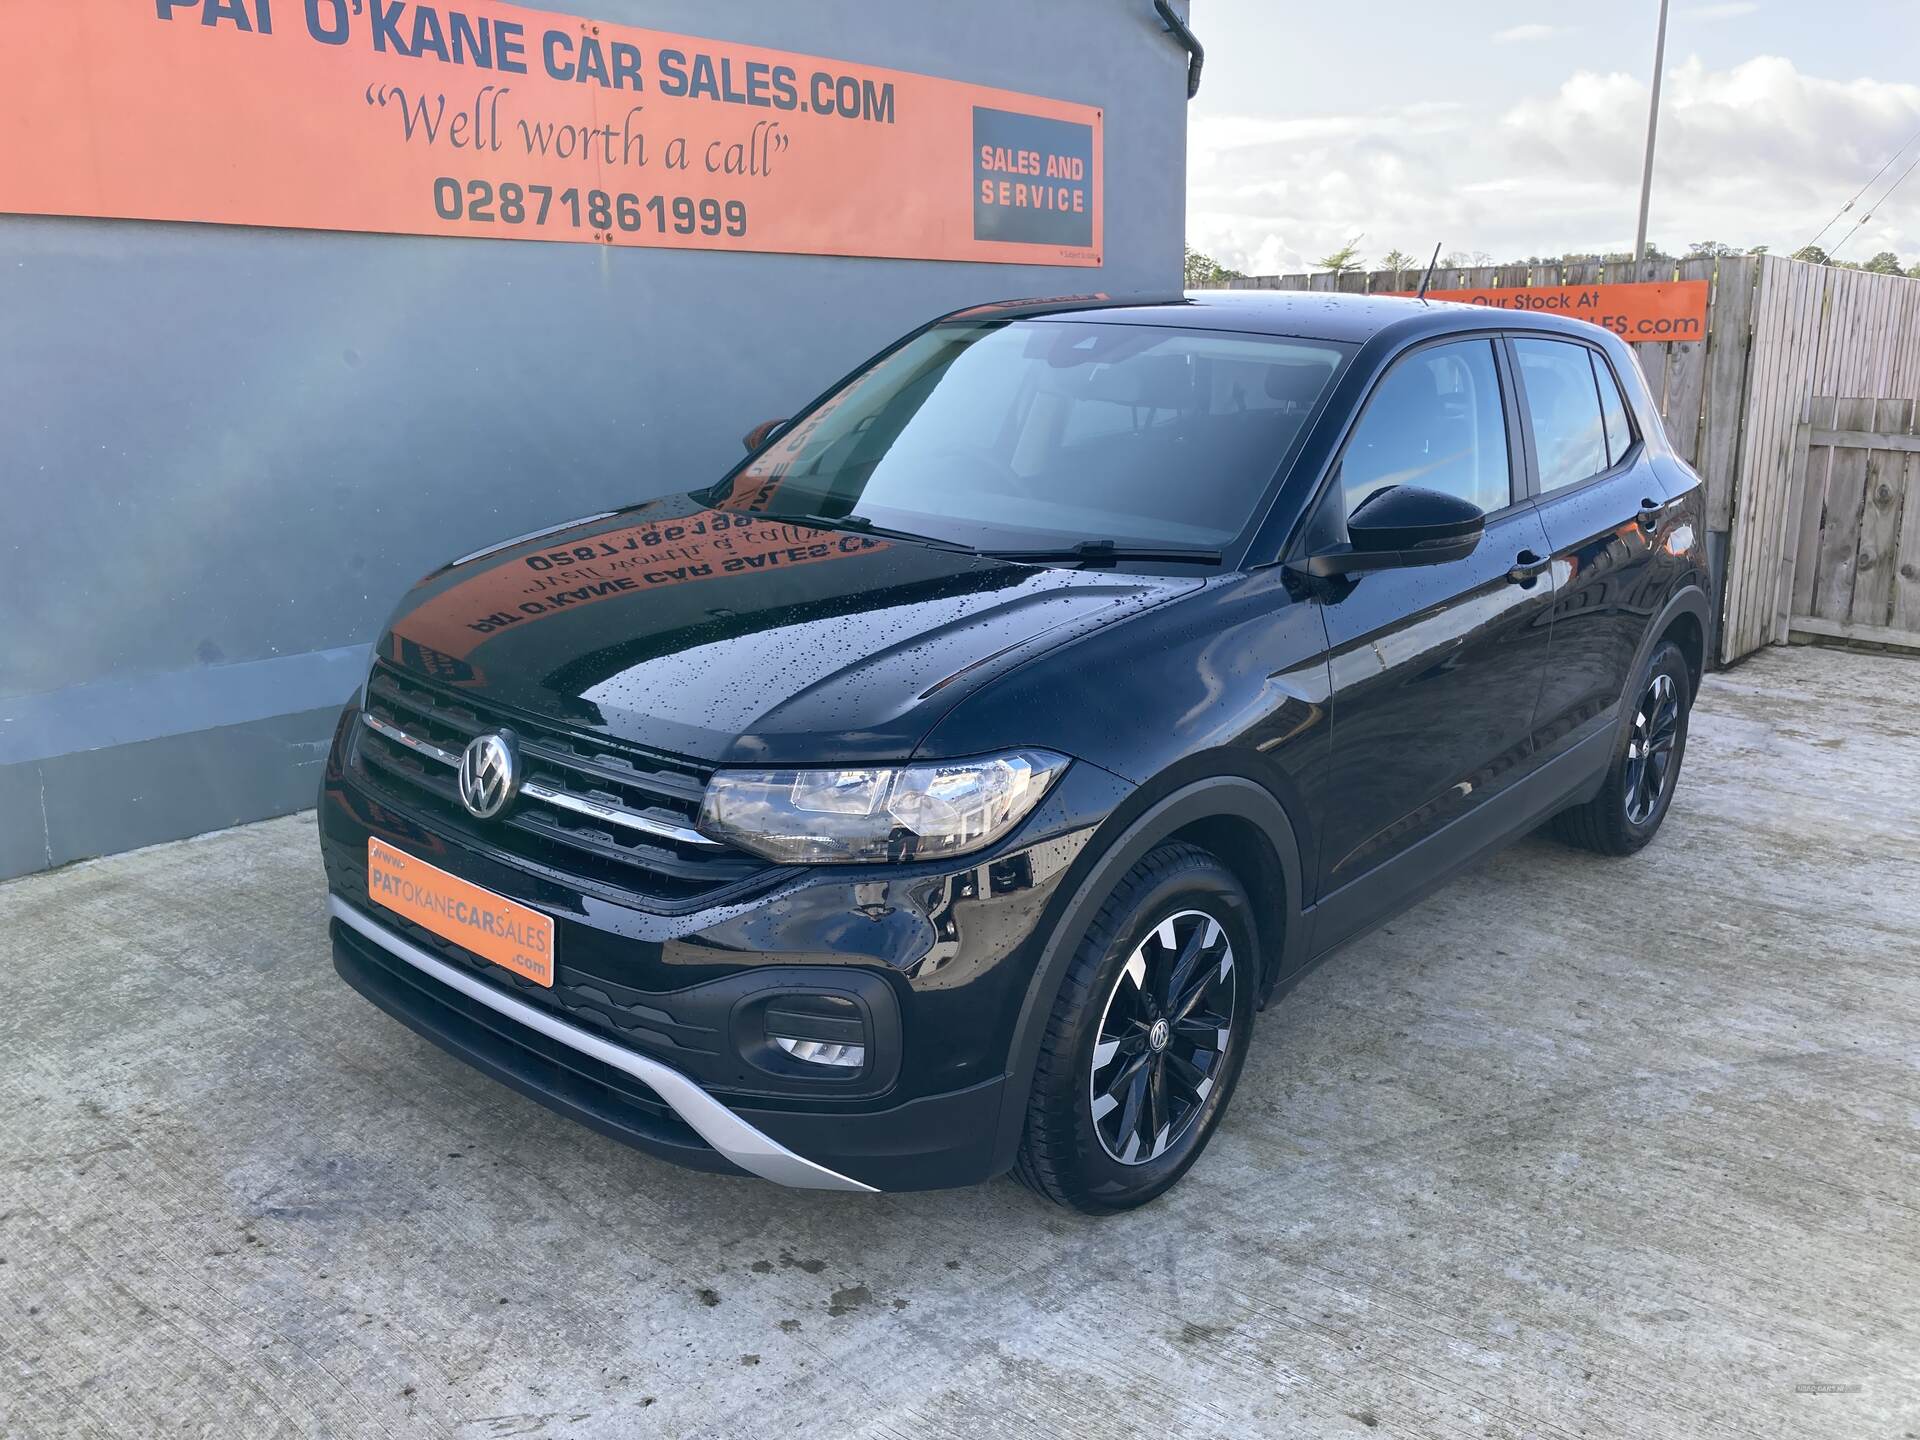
(1648, 313)
(498, 121)
(491, 926)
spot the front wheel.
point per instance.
(1627, 812)
(1147, 1037)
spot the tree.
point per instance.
(1206, 273)
(1340, 261)
(1709, 250)
(1812, 254)
(1398, 260)
(1885, 263)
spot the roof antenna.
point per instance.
(1427, 279)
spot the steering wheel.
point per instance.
(982, 468)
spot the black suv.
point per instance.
(946, 789)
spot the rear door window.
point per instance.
(1613, 410)
(1563, 404)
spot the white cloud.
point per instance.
(1756, 154)
(1734, 10)
(1524, 34)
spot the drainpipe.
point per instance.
(1196, 56)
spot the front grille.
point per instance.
(615, 820)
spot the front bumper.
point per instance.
(643, 1038)
(731, 1138)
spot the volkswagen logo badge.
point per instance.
(489, 774)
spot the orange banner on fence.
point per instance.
(492, 120)
(1648, 313)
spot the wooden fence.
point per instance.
(1817, 332)
(1852, 571)
(1779, 332)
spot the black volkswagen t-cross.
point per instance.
(947, 789)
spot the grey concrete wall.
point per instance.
(225, 451)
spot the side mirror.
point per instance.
(761, 434)
(1405, 526)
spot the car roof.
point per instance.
(1299, 314)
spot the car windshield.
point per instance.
(999, 435)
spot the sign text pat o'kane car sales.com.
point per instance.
(497, 121)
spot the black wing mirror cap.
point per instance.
(1402, 527)
(762, 433)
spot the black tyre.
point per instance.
(1147, 1037)
(1627, 812)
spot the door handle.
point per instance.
(1650, 513)
(1528, 567)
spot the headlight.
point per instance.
(897, 813)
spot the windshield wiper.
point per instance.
(859, 524)
(1106, 552)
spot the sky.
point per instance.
(1518, 130)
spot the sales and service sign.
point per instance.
(498, 121)
(1652, 312)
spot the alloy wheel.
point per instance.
(1163, 1037)
(1650, 749)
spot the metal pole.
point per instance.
(1653, 130)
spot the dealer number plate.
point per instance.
(491, 926)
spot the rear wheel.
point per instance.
(1146, 1038)
(1627, 812)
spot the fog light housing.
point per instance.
(819, 1030)
(823, 1052)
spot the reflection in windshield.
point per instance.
(1044, 432)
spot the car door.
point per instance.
(1434, 670)
(1600, 502)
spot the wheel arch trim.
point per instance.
(1216, 797)
(1689, 599)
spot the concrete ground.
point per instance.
(1576, 1148)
